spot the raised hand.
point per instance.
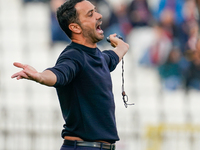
(120, 47)
(28, 72)
(46, 77)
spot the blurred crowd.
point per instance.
(176, 50)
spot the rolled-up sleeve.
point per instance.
(111, 58)
(68, 65)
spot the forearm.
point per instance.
(48, 78)
(121, 49)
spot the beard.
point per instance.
(91, 34)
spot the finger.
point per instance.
(14, 75)
(114, 38)
(19, 75)
(28, 74)
(113, 35)
(113, 44)
(19, 65)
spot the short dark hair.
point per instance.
(67, 14)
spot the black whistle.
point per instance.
(118, 36)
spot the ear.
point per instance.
(74, 27)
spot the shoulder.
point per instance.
(71, 53)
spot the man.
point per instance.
(82, 79)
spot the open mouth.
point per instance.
(99, 27)
(99, 30)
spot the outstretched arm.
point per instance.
(46, 77)
(120, 47)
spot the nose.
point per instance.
(99, 16)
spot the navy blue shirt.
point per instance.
(84, 89)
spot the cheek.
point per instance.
(89, 23)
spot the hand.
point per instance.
(28, 72)
(113, 42)
(120, 47)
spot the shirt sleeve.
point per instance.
(111, 58)
(67, 67)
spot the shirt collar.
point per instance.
(84, 48)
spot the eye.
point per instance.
(91, 14)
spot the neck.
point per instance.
(83, 41)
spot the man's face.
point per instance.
(90, 21)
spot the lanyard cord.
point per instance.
(124, 96)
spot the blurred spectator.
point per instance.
(193, 73)
(170, 15)
(190, 11)
(123, 20)
(167, 22)
(171, 71)
(121, 24)
(139, 13)
(176, 51)
(57, 34)
(192, 36)
(193, 54)
(188, 30)
(176, 6)
(158, 52)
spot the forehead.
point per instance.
(84, 7)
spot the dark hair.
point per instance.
(67, 14)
